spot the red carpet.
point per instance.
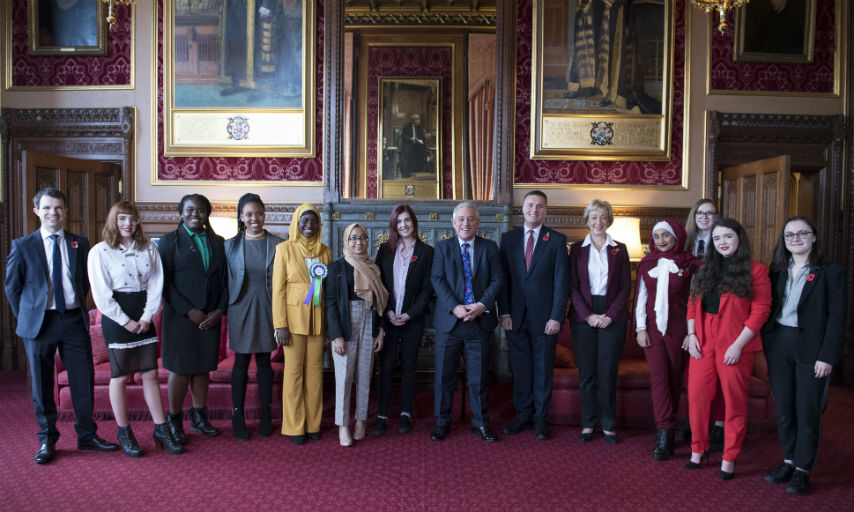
(406, 472)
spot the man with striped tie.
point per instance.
(47, 284)
(467, 277)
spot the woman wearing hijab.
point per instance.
(355, 296)
(663, 287)
(299, 319)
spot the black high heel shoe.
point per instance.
(727, 475)
(697, 465)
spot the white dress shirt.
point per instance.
(125, 270)
(67, 283)
(402, 258)
(597, 265)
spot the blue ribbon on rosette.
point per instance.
(316, 273)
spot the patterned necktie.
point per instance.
(56, 276)
(469, 295)
(529, 249)
(701, 248)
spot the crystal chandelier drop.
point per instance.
(722, 6)
(111, 18)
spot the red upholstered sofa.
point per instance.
(219, 394)
(634, 400)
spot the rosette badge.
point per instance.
(317, 272)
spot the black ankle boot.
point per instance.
(176, 426)
(662, 448)
(265, 427)
(128, 442)
(199, 422)
(671, 441)
(238, 423)
(163, 439)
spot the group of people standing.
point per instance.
(699, 297)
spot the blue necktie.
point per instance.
(56, 276)
(469, 295)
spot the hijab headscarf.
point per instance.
(366, 273)
(660, 264)
(310, 247)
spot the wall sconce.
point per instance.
(627, 230)
(111, 18)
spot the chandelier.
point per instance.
(111, 18)
(722, 6)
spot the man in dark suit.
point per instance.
(413, 148)
(467, 278)
(533, 305)
(47, 284)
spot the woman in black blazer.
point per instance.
(410, 295)
(803, 342)
(195, 296)
(599, 287)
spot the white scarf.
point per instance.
(661, 273)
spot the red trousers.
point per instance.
(666, 361)
(703, 375)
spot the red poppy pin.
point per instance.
(614, 251)
(810, 277)
(74, 244)
(546, 237)
(414, 258)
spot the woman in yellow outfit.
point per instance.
(300, 322)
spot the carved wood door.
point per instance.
(91, 187)
(757, 195)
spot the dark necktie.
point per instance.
(529, 249)
(469, 295)
(56, 276)
(701, 248)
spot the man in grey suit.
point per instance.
(466, 277)
(533, 306)
(47, 284)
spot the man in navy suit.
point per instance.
(47, 284)
(467, 278)
(533, 306)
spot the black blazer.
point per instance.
(338, 302)
(450, 285)
(821, 314)
(619, 282)
(186, 285)
(544, 287)
(418, 291)
(28, 281)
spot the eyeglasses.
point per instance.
(802, 235)
(705, 214)
(363, 238)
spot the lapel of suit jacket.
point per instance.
(582, 272)
(479, 250)
(809, 284)
(191, 246)
(539, 248)
(271, 250)
(36, 244)
(71, 247)
(418, 253)
(612, 252)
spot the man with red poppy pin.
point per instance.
(532, 307)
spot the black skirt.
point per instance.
(129, 352)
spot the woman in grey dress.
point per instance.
(250, 311)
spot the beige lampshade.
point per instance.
(225, 227)
(627, 230)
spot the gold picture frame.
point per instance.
(593, 104)
(409, 145)
(239, 78)
(67, 27)
(764, 33)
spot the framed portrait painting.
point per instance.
(238, 78)
(409, 148)
(775, 31)
(67, 27)
(601, 80)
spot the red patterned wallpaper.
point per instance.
(816, 77)
(422, 61)
(594, 172)
(233, 168)
(114, 69)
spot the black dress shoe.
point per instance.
(726, 475)
(517, 427)
(405, 425)
(378, 430)
(782, 474)
(697, 465)
(485, 433)
(586, 436)
(439, 433)
(313, 436)
(541, 428)
(799, 484)
(298, 440)
(45, 453)
(97, 444)
(611, 438)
